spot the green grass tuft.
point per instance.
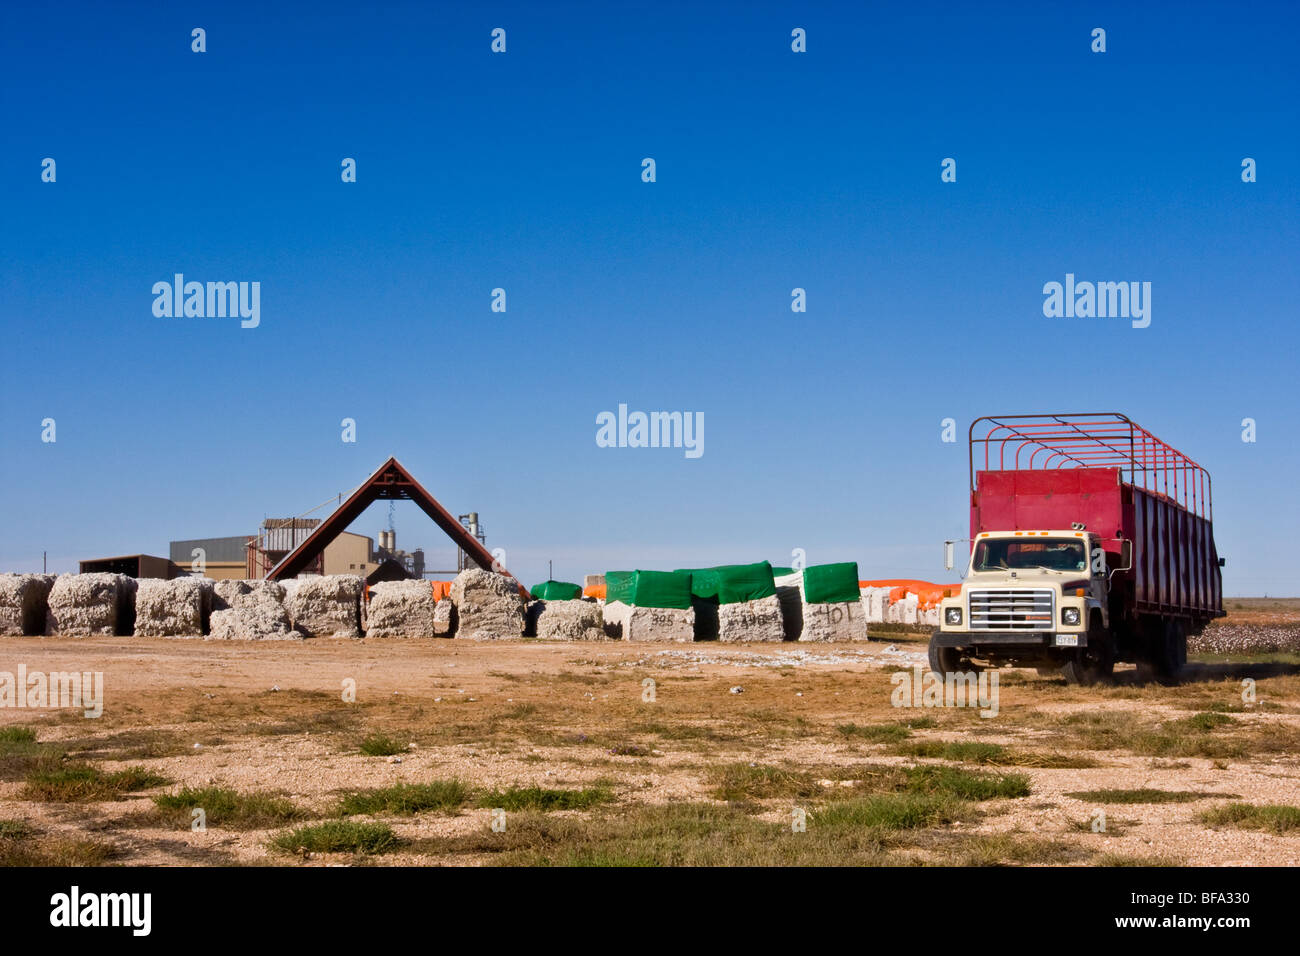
(229, 808)
(875, 733)
(380, 745)
(338, 836)
(407, 798)
(888, 811)
(1141, 795)
(966, 784)
(82, 783)
(539, 798)
(1272, 818)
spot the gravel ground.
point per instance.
(271, 717)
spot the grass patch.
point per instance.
(129, 745)
(381, 745)
(966, 784)
(1272, 818)
(1121, 730)
(14, 829)
(81, 783)
(680, 834)
(875, 733)
(889, 811)
(338, 836)
(407, 798)
(963, 751)
(229, 808)
(543, 799)
(1005, 849)
(739, 782)
(1124, 859)
(995, 755)
(22, 846)
(20, 754)
(1141, 795)
(1205, 721)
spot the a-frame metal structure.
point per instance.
(390, 480)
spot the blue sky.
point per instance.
(522, 170)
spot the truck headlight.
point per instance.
(952, 615)
(1070, 616)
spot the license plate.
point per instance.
(1067, 640)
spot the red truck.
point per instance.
(1092, 541)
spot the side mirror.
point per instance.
(947, 555)
(1223, 562)
(1125, 557)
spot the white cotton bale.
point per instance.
(842, 621)
(23, 602)
(256, 618)
(229, 594)
(80, 605)
(876, 603)
(575, 620)
(169, 608)
(660, 624)
(614, 614)
(488, 605)
(327, 606)
(759, 620)
(401, 609)
(904, 611)
(444, 618)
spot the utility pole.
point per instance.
(45, 565)
(550, 571)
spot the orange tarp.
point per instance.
(927, 593)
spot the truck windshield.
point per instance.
(1055, 554)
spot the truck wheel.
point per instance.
(944, 660)
(1171, 652)
(1094, 663)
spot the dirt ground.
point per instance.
(756, 731)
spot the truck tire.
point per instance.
(1172, 651)
(944, 660)
(1164, 650)
(1094, 663)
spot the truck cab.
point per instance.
(1030, 597)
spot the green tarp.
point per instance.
(732, 583)
(831, 583)
(649, 588)
(556, 591)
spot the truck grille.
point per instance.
(1004, 609)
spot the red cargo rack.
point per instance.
(1092, 440)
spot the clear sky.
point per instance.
(523, 171)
